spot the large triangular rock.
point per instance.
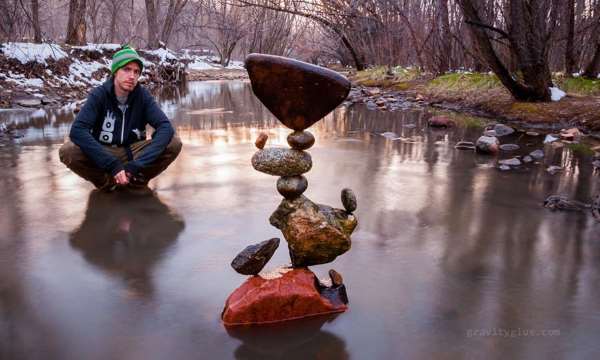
(297, 93)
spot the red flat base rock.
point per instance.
(293, 296)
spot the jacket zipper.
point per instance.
(123, 125)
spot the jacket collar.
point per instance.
(109, 87)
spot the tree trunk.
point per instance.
(35, 16)
(591, 71)
(445, 37)
(569, 46)
(76, 27)
(151, 16)
(175, 8)
(113, 26)
(527, 42)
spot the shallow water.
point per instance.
(452, 259)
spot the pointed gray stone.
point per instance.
(254, 257)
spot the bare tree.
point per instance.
(227, 25)
(173, 11)
(327, 13)
(113, 8)
(593, 67)
(527, 36)
(35, 21)
(153, 30)
(76, 26)
(570, 38)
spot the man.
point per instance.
(108, 144)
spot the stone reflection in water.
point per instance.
(303, 339)
(127, 235)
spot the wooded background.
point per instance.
(521, 41)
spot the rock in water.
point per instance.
(254, 257)
(464, 145)
(282, 162)
(297, 93)
(441, 121)
(561, 202)
(503, 130)
(510, 162)
(316, 234)
(301, 140)
(261, 140)
(295, 295)
(537, 154)
(509, 147)
(487, 145)
(349, 200)
(291, 187)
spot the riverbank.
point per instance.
(479, 94)
(51, 75)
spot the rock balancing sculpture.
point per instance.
(299, 95)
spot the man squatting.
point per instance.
(108, 144)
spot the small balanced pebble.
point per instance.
(348, 200)
(261, 140)
(336, 278)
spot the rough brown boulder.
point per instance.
(316, 234)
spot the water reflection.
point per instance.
(127, 235)
(302, 339)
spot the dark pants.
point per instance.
(72, 156)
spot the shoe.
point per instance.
(137, 180)
(110, 185)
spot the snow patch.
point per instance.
(85, 70)
(20, 81)
(94, 47)
(26, 52)
(163, 54)
(39, 113)
(34, 82)
(200, 65)
(557, 94)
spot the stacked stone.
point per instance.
(299, 95)
(288, 164)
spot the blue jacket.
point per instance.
(103, 121)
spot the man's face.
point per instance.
(126, 78)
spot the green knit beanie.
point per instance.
(124, 57)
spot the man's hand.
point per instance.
(121, 178)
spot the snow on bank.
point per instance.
(70, 71)
(163, 54)
(98, 47)
(557, 94)
(201, 65)
(26, 52)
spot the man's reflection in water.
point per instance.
(298, 339)
(127, 234)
